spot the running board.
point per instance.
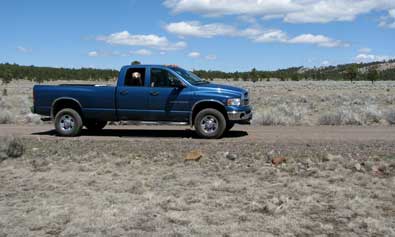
(155, 123)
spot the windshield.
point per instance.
(189, 76)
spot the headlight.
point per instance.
(233, 102)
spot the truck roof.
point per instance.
(153, 65)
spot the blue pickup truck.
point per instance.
(153, 93)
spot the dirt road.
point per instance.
(134, 181)
(238, 134)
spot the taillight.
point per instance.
(32, 108)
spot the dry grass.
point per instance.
(11, 148)
(16, 109)
(275, 102)
(139, 188)
(320, 103)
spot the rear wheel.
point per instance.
(68, 123)
(210, 123)
(95, 125)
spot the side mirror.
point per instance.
(179, 84)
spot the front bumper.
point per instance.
(240, 116)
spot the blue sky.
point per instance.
(197, 34)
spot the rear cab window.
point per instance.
(135, 77)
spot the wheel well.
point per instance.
(65, 103)
(205, 105)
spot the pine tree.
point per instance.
(373, 75)
(351, 73)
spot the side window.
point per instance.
(162, 78)
(135, 77)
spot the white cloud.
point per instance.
(319, 40)
(142, 52)
(194, 54)
(247, 19)
(294, 11)
(235, 7)
(93, 54)
(124, 38)
(211, 57)
(23, 49)
(153, 41)
(98, 53)
(366, 55)
(325, 63)
(176, 46)
(270, 36)
(363, 58)
(365, 50)
(196, 29)
(389, 20)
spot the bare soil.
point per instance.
(335, 182)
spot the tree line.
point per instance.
(352, 72)
(10, 72)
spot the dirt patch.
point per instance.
(102, 188)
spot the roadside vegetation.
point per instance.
(312, 103)
(16, 102)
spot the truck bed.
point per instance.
(95, 100)
(81, 85)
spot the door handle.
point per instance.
(125, 92)
(154, 93)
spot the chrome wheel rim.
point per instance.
(66, 123)
(209, 124)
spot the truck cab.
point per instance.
(154, 93)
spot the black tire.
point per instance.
(210, 123)
(95, 125)
(229, 126)
(68, 123)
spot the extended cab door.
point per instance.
(132, 95)
(168, 101)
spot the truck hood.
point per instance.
(226, 89)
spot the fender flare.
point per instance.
(202, 101)
(63, 98)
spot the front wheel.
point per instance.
(68, 123)
(210, 123)
(95, 125)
